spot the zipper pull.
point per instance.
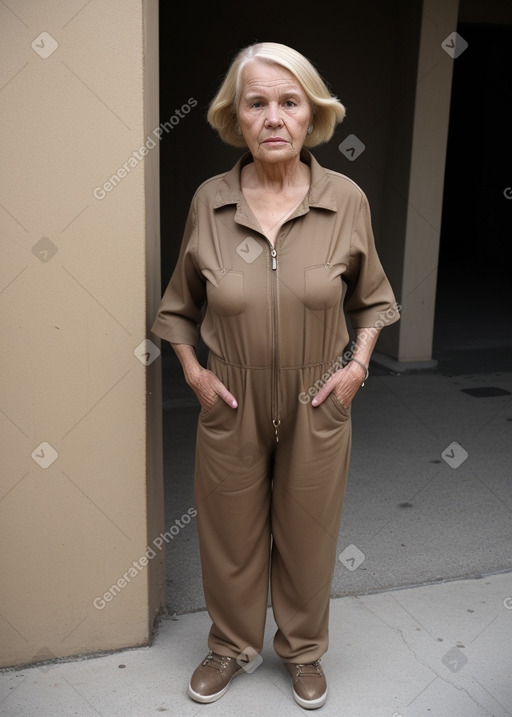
(273, 254)
(276, 423)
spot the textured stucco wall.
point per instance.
(77, 283)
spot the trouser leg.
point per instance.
(232, 499)
(309, 480)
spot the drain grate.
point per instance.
(486, 391)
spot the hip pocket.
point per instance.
(339, 407)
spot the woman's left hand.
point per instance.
(345, 383)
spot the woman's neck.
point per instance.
(276, 176)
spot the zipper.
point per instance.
(276, 421)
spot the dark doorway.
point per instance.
(473, 323)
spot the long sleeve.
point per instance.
(369, 300)
(181, 308)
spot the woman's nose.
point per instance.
(273, 117)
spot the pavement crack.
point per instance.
(400, 632)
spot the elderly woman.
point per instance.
(277, 255)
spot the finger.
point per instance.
(226, 396)
(322, 394)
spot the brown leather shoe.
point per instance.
(309, 685)
(212, 677)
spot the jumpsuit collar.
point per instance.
(321, 193)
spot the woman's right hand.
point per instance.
(208, 388)
(202, 381)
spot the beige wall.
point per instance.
(426, 184)
(81, 481)
(415, 182)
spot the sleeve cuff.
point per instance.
(178, 334)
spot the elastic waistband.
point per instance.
(328, 363)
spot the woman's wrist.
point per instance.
(361, 367)
(189, 362)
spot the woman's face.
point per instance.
(273, 112)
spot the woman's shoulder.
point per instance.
(210, 185)
(345, 183)
(218, 189)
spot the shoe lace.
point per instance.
(312, 669)
(221, 660)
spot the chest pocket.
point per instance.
(322, 287)
(225, 292)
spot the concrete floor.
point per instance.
(442, 650)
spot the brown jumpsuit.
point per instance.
(270, 475)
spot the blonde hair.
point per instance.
(327, 109)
